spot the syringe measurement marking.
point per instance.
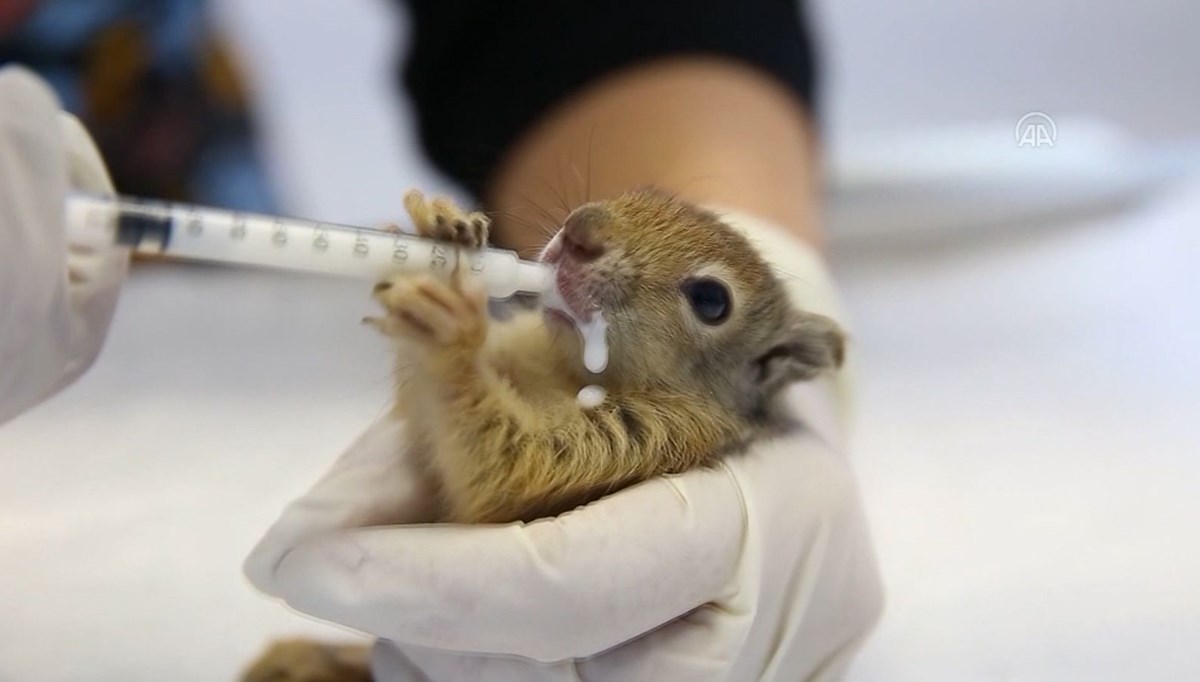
(195, 226)
(399, 252)
(438, 259)
(320, 239)
(239, 227)
(279, 234)
(362, 247)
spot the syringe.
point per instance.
(199, 233)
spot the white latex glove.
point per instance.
(56, 299)
(759, 569)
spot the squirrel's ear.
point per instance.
(811, 344)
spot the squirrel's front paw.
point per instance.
(442, 220)
(441, 315)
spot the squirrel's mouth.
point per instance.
(571, 296)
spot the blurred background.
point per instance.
(1023, 294)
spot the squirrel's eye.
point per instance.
(709, 299)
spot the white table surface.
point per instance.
(1030, 452)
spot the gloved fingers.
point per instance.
(35, 340)
(95, 273)
(375, 481)
(623, 565)
(86, 172)
(33, 178)
(90, 277)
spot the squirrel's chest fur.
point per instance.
(507, 440)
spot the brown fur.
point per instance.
(492, 405)
(303, 660)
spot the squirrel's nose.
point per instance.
(580, 234)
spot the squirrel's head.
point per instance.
(690, 305)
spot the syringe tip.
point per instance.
(533, 278)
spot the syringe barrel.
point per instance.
(211, 235)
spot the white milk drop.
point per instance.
(595, 343)
(591, 396)
(595, 358)
(594, 333)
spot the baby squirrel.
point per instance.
(702, 338)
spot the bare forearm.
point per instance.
(709, 130)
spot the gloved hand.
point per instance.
(56, 298)
(760, 568)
